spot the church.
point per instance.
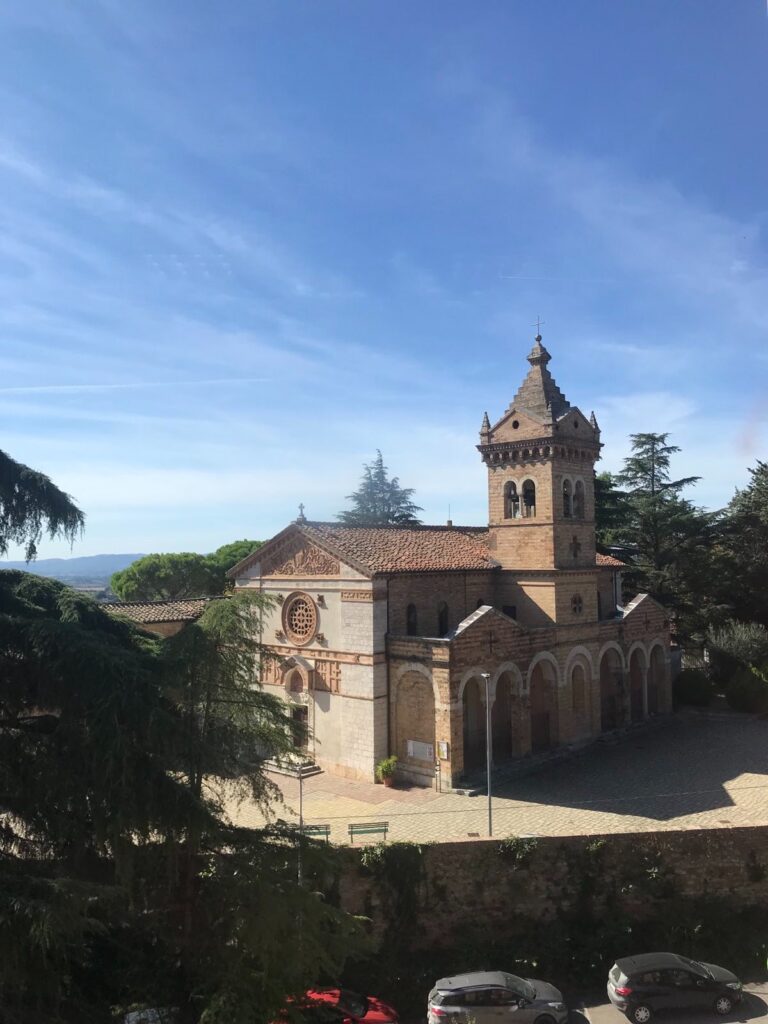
(380, 638)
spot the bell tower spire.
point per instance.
(541, 496)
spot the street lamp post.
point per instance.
(485, 676)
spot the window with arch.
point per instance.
(578, 688)
(442, 619)
(411, 620)
(578, 500)
(577, 604)
(567, 499)
(296, 682)
(511, 501)
(529, 499)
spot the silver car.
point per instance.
(495, 997)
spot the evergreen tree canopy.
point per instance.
(610, 511)
(379, 501)
(742, 557)
(121, 877)
(173, 577)
(30, 505)
(665, 537)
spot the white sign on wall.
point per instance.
(421, 751)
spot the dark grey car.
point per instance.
(643, 985)
(495, 997)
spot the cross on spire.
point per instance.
(537, 325)
(301, 512)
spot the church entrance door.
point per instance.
(611, 707)
(501, 721)
(636, 673)
(543, 708)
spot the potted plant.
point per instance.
(385, 770)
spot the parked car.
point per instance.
(642, 985)
(342, 1006)
(495, 997)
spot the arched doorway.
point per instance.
(474, 726)
(657, 675)
(636, 684)
(501, 720)
(611, 691)
(544, 723)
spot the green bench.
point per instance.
(318, 830)
(368, 828)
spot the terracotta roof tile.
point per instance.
(610, 561)
(144, 612)
(385, 549)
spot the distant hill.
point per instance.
(89, 572)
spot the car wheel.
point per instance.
(640, 1014)
(723, 1005)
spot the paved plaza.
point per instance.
(694, 770)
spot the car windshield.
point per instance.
(521, 986)
(699, 968)
(353, 1004)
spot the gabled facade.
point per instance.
(380, 637)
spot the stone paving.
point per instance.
(694, 770)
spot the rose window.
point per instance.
(300, 618)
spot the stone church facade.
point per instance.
(380, 637)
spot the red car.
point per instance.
(340, 1006)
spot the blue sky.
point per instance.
(244, 244)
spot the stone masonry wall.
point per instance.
(495, 882)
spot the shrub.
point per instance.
(694, 687)
(386, 768)
(748, 691)
(734, 646)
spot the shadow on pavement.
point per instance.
(751, 1006)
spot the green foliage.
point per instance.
(386, 768)
(121, 878)
(31, 505)
(399, 871)
(734, 646)
(748, 691)
(694, 687)
(666, 540)
(170, 577)
(741, 576)
(380, 501)
(611, 511)
(518, 850)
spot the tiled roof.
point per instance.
(145, 612)
(384, 549)
(610, 561)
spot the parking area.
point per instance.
(754, 1008)
(694, 770)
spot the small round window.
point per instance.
(515, 424)
(577, 605)
(300, 618)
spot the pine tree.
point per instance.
(742, 556)
(30, 505)
(379, 501)
(666, 538)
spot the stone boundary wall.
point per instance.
(447, 888)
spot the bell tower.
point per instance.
(541, 456)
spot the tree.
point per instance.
(30, 505)
(173, 577)
(668, 540)
(121, 877)
(379, 501)
(741, 578)
(610, 510)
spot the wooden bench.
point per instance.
(368, 828)
(318, 830)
